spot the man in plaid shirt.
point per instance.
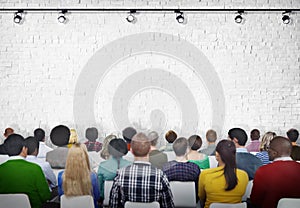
(141, 182)
(92, 145)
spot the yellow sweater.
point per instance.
(212, 186)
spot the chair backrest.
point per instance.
(129, 204)
(107, 188)
(213, 163)
(171, 155)
(85, 201)
(184, 193)
(227, 205)
(14, 200)
(289, 202)
(248, 191)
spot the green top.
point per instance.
(203, 164)
(21, 176)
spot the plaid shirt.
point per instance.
(93, 146)
(141, 182)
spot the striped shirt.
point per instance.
(141, 182)
(263, 156)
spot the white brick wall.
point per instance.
(257, 63)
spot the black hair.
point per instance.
(227, 151)
(32, 143)
(128, 133)
(39, 134)
(14, 144)
(195, 142)
(239, 134)
(117, 148)
(293, 135)
(60, 135)
(91, 134)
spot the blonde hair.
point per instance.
(265, 141)
(76, 178)
(73, 138)
(104, 153)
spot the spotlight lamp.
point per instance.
(286, 17)
(179, 16)
(62, 16)
(18, 17)
(239, 18)
(131, 18)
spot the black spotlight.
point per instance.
(239, 18)
(131, 18)
(179, 17)
(61, 16)
(286, 18)
(18, 17)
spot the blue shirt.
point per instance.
(95, 185)
(263, 156)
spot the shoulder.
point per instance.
(242, 173)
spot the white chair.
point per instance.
(248, 191)
(213, 163)
(289, 203)
(129, 204)
(95, 159)
(227, 205)
(107, 188)
(85, 201)
(184, 193)
(14, 200)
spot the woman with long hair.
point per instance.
(107, 170)
(77, 179)
(264, 145)
(225, 183)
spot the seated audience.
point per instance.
(293, 135)
(156, 157)
(107, 170)
(255, 143)
(127, 134)
(244, 160)
(226, 183)
(33, 148)
(60, 137)
(92, 145)
(7, 132)
(20, 176)
(141, 182)
(200, 159)
(43, 148)
(264, 145)
(211, 137)
(77, 179)
(181, 169)
(279, 179)
(104, 152)
(170, 137)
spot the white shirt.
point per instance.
(283, 159)
(49, 174)
(43, 150)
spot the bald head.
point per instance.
(280, 147)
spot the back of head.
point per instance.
(91, 134)
(32, 144)
(8, 131)
(171, 136)
(292, 134)
(60, 135)
(180, 146)
(211, 135)
(195, 142)
(140, 145)
(39, 134)
(239, 134)
(280, 147)
(104, 153)
(117, 148)
(14, 144)
(227, 150)
(153, 137)
(128, 133)
(255, 134)
(266, 139)
(73, 137)
(76, 179)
